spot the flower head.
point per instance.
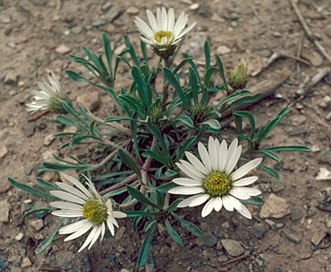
(214, 180)
(163, 33)
(49, 97)
(238, 76)
(96, 211)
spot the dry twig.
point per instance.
(310, 35)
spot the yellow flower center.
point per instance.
(95, 211)
(162, 33)
(217, 183)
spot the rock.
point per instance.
(328, 116)
(318, 236)
(99, 22)
(208, 239)
(194, 7)
(325, 157)
(132, 11)
(48, 139)
(323, 174)
(4, 211)
(120, 232)
(223, 50)
(62, 49)
(3, 151)
(327, 222)
(29, 128)
(315, 59)
(295, 213)
(115, 13)
(277, 186)
(77, 29)
(106, 6)
(291, 236)
(89, 100)
(124, 270)
(298, 120)
(274, 207)
(19, 236)
(232, 247)
(26, 262)
(298, 131)
(11, 78)
(259, 230)
(37, 224)
(327, 30)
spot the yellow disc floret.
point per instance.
(158, 36)
(217, 183)
(95, 211)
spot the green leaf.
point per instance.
(250, 118)
(139, 196)
(48, 241)
(143, 90)
(108, 51)
(189, 226)
(213, 123)
(117, 118)
(139, 214)
(207, 54)
(301, 148)
(171, 231)
(38, 211)
(269, 153)
(221, 70)
(186, 146)
(270, 171)
(170, 77)
(165, 187)
(254, 200)
(75, 76)
(54, 166)
(129, 162)
(45, 184)
(131, 51)
(193, 83)
(173, 206)
(144, 249)
(232, 96)
(159, 199)
(29, 189)
(186, 120)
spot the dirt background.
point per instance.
(293, 235)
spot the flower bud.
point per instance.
(238, 76)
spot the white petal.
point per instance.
(118, 214)
(79, 232)
(238, 193)
(152, 21)
(245, 181)
(71, 189)
(218, 203)
(67, 213)
(171, 19)
(196, 162)
(230, 203)
(68, 197)
(243, 170)
(204, 155)
(222, 156)
(186, 190)
(66, 206)
(187, 201)
(213, 149)
(75, 226)
(103, 230)
(96, 236)
(245, 212)
(207, 208)
(187, 182)
(144, 28)
(189, 170)
(198, 200)
(232, 162)
(110, 226)
(88, 239)
(78, 184)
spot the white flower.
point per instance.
(49, 97)
(162, 31)
(213, 180)
(96, 211)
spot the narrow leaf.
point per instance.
(139, 196)
(171, 231)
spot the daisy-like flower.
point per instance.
(96, 211)
(50, 97)
(214, 180)
(163, 33)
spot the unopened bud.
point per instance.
(238, 76)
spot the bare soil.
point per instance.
(36, 36)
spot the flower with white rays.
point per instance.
(96, 211)
(214, 180)
(163, 32)
(50, 97)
